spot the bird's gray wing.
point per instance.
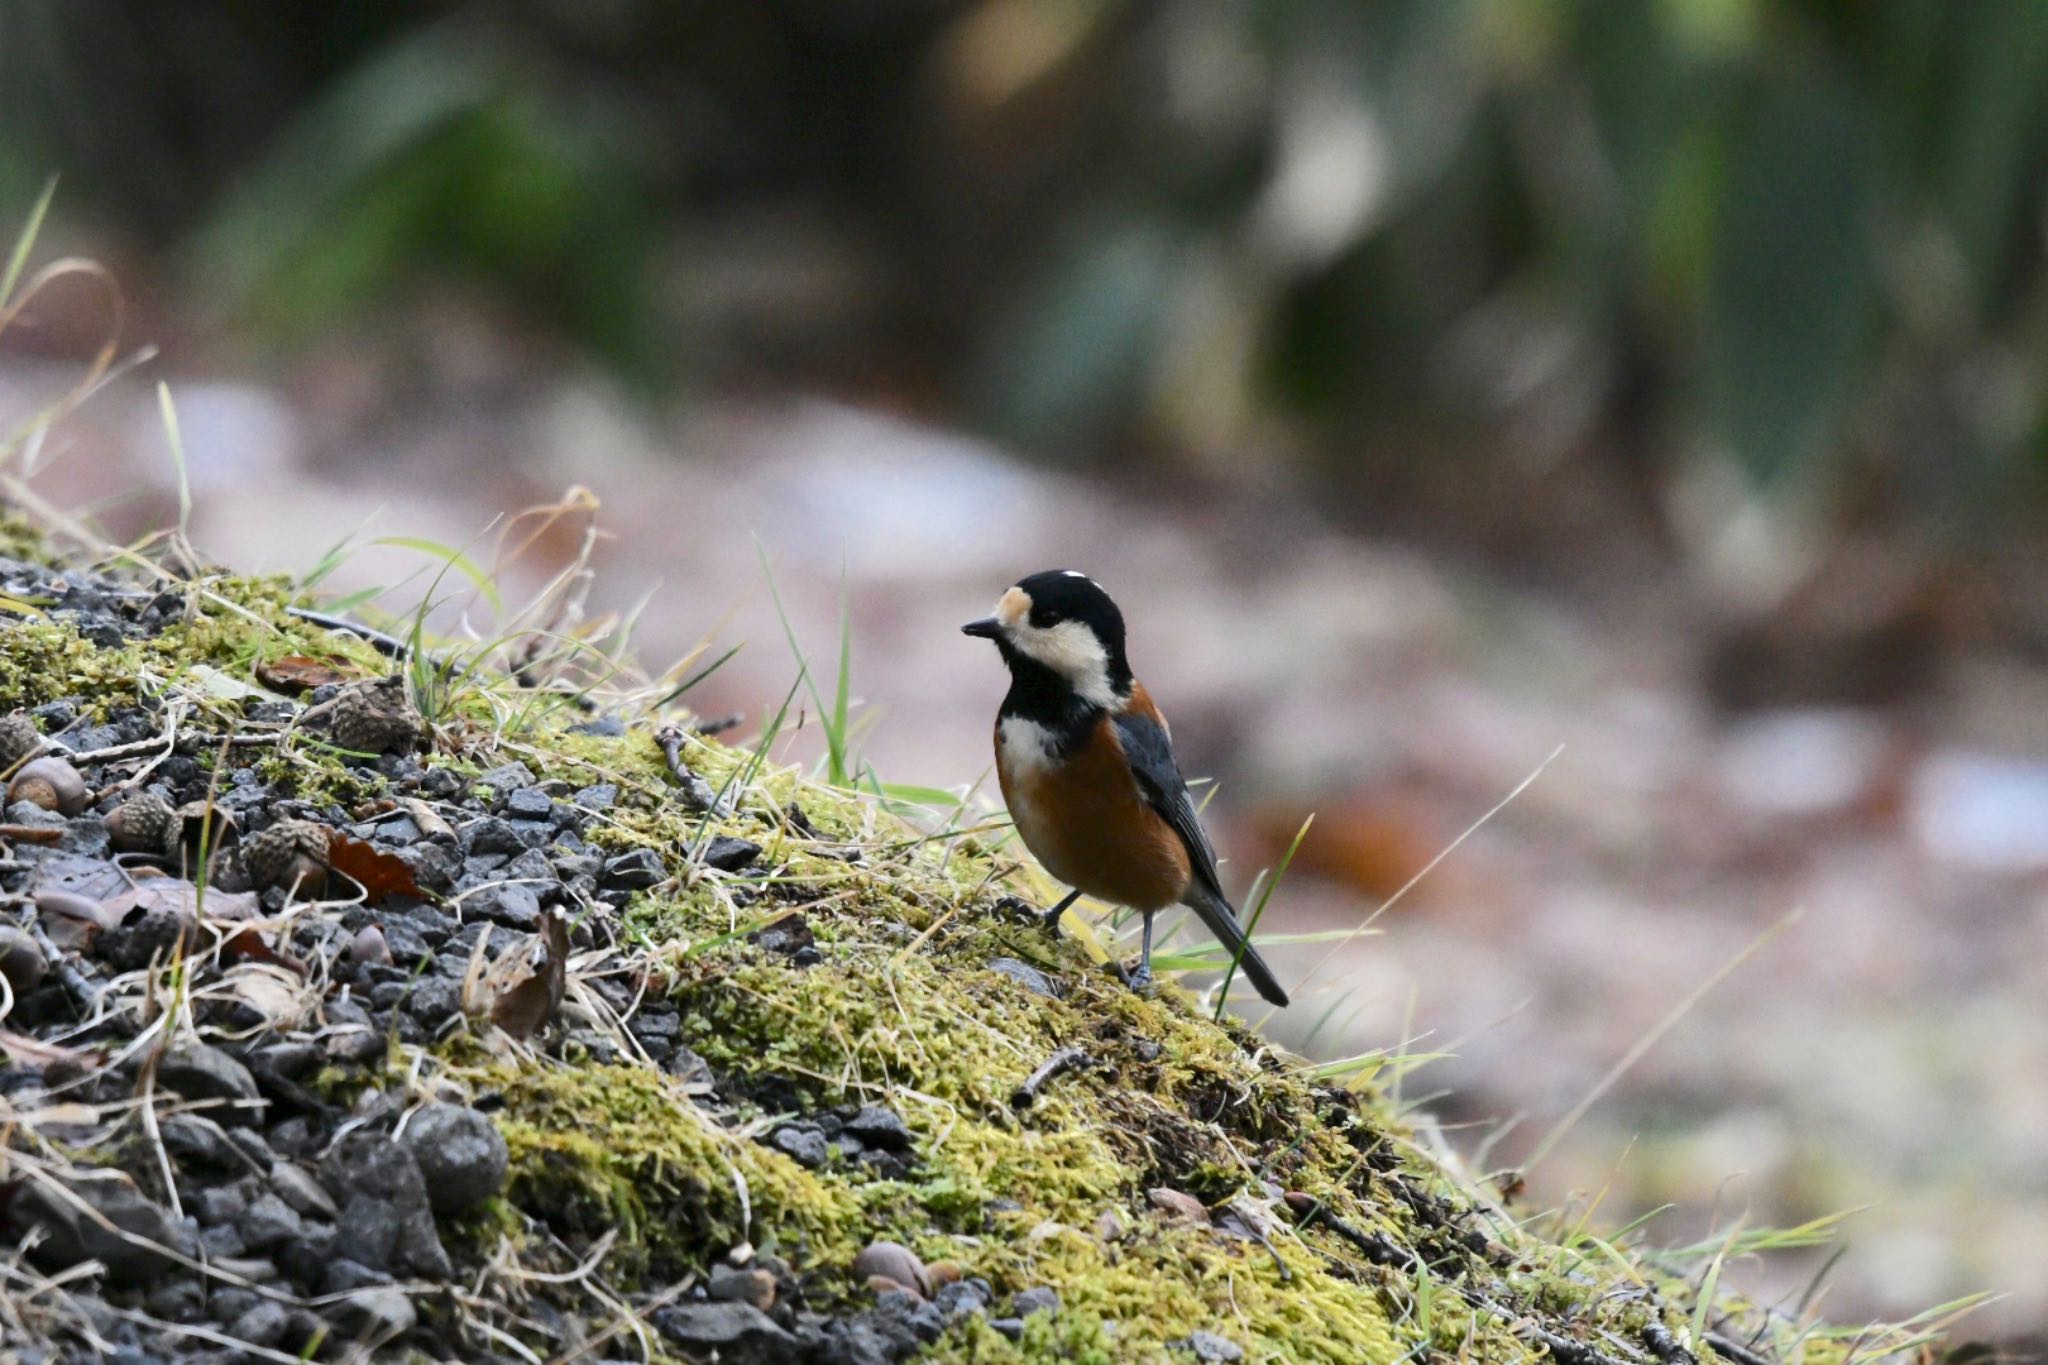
(1150, 753)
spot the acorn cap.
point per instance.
(376, 717)
(19, 739)
(145, 823)
(289, 851)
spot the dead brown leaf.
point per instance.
(525, 1007)
(295, 673)
(72, 920)
(381, 874)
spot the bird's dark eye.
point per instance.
(1044, 618)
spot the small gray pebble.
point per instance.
(263, 1325)
(1025, 975)
(1037, 1299)
(268, 1222)
(805, 1146)
(460, 1154)
(529, 803)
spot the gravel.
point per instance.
(460, 1155)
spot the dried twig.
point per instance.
(696, 793)
(1379, 1250)
(1564, 1350)
(1069, 1058)
(1665, 1346)
(1735, 1350)
(384, 644)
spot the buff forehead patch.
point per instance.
(1013, 607)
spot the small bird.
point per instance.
(1087, 767)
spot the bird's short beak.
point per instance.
(988, 628)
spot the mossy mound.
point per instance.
(1188, 1188)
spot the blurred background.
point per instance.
(1435, 382)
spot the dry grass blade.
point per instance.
(1650, 1039)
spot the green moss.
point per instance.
(47, 660)
(616, 1148)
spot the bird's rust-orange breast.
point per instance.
(1086, 821)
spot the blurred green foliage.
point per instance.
(1805, 235)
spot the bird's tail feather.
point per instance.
(1221, 920)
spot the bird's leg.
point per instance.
(1142, 978)
(1052, 916)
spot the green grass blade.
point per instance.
(699, 676)
(1267, 885)
(17, 260)
(452, 558)
(843, 686)
(176, 436)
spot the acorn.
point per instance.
(145, 823)
(21, 960)
(369, 945)
(289, 852)
(19, 739)
(891, 1265)
(377, 717)
(51, 783)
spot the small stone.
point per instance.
(269, 1222)
(1210, 1347)
(1177, 1206)
(529, 803)
(221, 1240)
(220, 1203)
(959, 1300)
(460, 1154)
(263, 1325)
(342, 1275)
(434, 1000)
(1025, 975)
(302, 1192)
(131, 1235)
(730, 855)
(386, 1223)
(1013, 1328)
(924, 1322)
(1038, 1299)
(440, 783)
(756, 1287)
(177, 1300)
(492, 835)
(789, 935)
(201, 1072)
(896, 1263)
(633, 871)
(805, 1146)
(879, 1126)
(1110, 1227)
(599, 796)
(512, 904)
(505, 778)
(738, 1333)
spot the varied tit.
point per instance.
(1087, 768)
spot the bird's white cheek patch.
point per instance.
(1073, 651)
